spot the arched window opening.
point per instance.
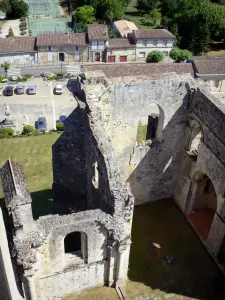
(95, 175)
(150, 125)
(75, 247)
(204, 205)
(194, 140)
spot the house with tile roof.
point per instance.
(18, 50)
(147, 40)
(212, 71)
(120, 50)
(61, 47)
(98, 37)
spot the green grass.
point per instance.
(141, 133)
(132, 14)
(100, 293)
(192, 273)
(34, 153)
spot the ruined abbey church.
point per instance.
(100, 172)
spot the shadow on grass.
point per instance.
(133, 13)
(42, 203)
(192, 272)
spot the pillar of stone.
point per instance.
(122, 262)
(216, 235)
(112, 253)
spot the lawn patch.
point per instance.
(34, 153)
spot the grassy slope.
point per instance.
(134, 15)
(35, 155)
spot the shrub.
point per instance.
(23, 23)
(28, 75)
(22, 32)
(22, 19)
(154, 57)
(6, 132)
(28, 129)
(180, 55)
(60, 126)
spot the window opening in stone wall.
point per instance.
(150, 126)
(216, 83)
(75, 247)
(95, 175)
(194, 141)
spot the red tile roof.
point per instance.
(17, 44)
(97, 32)
(135, 69)
(49, 39)
(153, 34)
(120, 43)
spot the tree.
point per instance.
(18, 9)
(4, 5)
(5, 66)
(108, 9)
(147, 5)
(85, 15)
(154, 57)
(200, 40)
(180, 55)
(155, 14)
(11, 33)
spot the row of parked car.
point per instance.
(41, 123)
(19, 90)
(31, 90)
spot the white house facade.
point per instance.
(152, 40)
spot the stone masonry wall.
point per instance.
(151, 171)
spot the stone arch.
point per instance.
(195, 137)
(75, 247)
(203, 204)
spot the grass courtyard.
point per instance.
(192, 273)
(34, 153)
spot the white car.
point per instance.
(59, 89)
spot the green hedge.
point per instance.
(28, 129)
(60, 126)
(6, 132)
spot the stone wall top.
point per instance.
(14, 184)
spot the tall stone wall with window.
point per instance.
(124, 103)
(102, 223)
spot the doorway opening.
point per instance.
(61, 56)
(204, 205)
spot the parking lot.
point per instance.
(26, 109)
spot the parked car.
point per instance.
(62, 118)
(59, 89)
(20, 89)
(8, 91)
(41, 124)
(32, 90)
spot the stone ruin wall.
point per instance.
(123, 103)
(47, 273)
